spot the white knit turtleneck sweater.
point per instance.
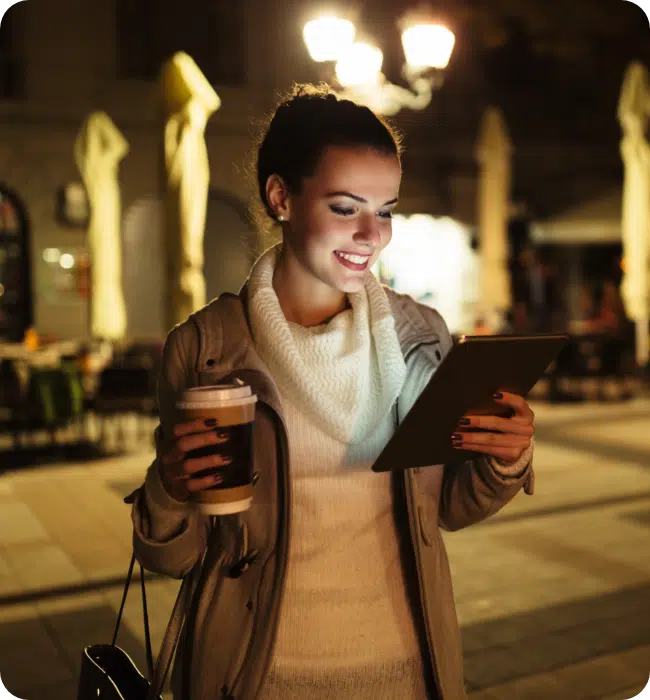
(346, 629)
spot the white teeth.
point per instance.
(356, 259)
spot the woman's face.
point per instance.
(343, 210)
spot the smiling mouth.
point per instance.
(352, 261)
(353, 258)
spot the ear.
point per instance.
(278, 197)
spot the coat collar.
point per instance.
(227, 350)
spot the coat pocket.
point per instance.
(428, 483)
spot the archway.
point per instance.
(229, 244)
(229, 248)
(143, 270)
(16, 296)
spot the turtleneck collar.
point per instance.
(345, 374)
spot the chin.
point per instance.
(347, 281)
(353, 286)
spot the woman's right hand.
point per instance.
(177, 470)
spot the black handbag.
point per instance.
(108, 673)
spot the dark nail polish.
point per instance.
(464, 421)
(456, 437)
(210, 422)
(222, 434)
(497, 395)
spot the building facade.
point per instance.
(61, 61)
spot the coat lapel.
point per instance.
(237, 357)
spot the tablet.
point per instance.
(475, 368)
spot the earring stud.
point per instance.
(280, 218)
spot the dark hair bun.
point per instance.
(305, 124)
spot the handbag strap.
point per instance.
(147, 633)
(145, 614)
(158, 672)
(172, 635)
(177, 620)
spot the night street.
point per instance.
(266, 227)
(553, 594)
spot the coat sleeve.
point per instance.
(169, 536)
(478, 488)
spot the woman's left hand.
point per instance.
(507, 439)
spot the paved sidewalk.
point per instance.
(553, 594)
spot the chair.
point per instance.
(124, 389)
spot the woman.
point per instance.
(357, 602)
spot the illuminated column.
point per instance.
(494, 154)
(98, 150)
(189, 100)
(633, 113)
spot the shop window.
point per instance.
(432, 260)
(64, 275)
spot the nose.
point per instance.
(368, 232)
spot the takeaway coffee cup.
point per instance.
(232, 406)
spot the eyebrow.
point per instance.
(357, 198)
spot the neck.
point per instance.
(306, 302)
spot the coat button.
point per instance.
(209, 362)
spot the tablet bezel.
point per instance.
(424, 438)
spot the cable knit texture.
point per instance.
(332, 371)
(346, 629)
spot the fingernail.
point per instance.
(497, 395)
(464, 421)
(222, 434)
(227, 460)
(456, 437)
(210, 422)
(217, 479)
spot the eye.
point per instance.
(385, 214)
(341, 211)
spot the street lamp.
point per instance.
(427, 44)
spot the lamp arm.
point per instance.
(420, 94)
(388, 99)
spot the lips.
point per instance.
(358, 263)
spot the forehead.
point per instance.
(357, 170)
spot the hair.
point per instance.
(308, 121)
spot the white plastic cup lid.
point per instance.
(219, 394)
